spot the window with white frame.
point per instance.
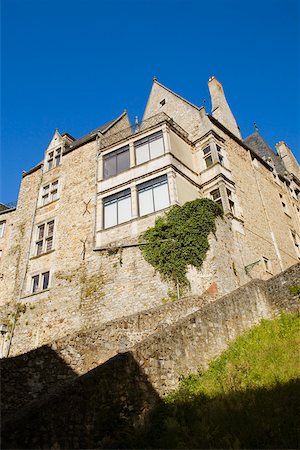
(44, 238)
(116, 162)
(117, 208)
(50, 192)
(230, 200)
(207, 155)
(54, 158)
(149, 147)
(216, 196)
(153, 195)
(296, 241)
(40, 282)
(2, 228)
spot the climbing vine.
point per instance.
(180, 238)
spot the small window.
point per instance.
(45, 235)
(50, 192)
(54, 158)
(40, 282)
(2, 228)
(230, 200)
(117, 208)
(208, 156)
(267, 264)
(116, 162)
(296, 241)
(149, 148)
(220, 156)
(216, 196)
(283, 204)
(153, 195)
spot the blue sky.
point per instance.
(76, 64)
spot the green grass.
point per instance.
(248, 398)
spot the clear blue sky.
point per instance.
(76, 64)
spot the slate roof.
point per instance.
(262, 149)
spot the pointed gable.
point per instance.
(190, 117)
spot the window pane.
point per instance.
(206, 150)
(45, 189)
(110, 167)
(39, 247)
(45, 199)
(146, 202)
(208, 161)
(142, 153)
(156, 148)
(49, 243)
(35, 283)
(50, 228)
(57, 160)
(161, 197)
(123, 162)
(41, 231)
(54, 195)
(124, 209)
(50, 164)
(45, 280)
(110, 215)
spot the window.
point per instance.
(54, 158)
(116, 162)
(117, 208)
(50, 192)
(267, 264)
(216, 196)
(296, 241)
(283, 203)
(40, 282)
(149, 148)
(2, 228)
(231, 202)
(208, 156)
(44, 238)
(153, 195)
(220, 156)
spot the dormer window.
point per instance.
(54, 158)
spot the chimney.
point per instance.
(288, 158)
(220, 107)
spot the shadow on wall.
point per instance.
(97, 410)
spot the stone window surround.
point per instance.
(40, 274)
(130, 142)
(2, 228)
(50, 183)
(133, 186)
(53, 150)
(227, 203)
(36, 239)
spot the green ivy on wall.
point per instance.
(180, 238)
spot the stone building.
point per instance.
(69, 251)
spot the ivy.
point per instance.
(180, 238)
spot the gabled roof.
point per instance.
(92, 135)
(262, 149)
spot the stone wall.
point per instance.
(128, 385)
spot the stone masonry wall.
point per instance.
(99, 408)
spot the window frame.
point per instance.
(115, 199)
(114, 155)
(54, 158)
(44, 235)
(158, 135)
(217, 199)
(2, 228)
(151, 185)
(38, 284)
(47, 197)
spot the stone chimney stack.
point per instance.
(288, 158)
(220, 107)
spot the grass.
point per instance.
(248, 398)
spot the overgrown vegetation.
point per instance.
(295, 290)
(248, 398)
(180, 238)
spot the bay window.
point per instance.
(117, 208)
(153, 195)
(116, 162)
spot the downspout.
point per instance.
(98, 146)
(26, 266)
(267, 217)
